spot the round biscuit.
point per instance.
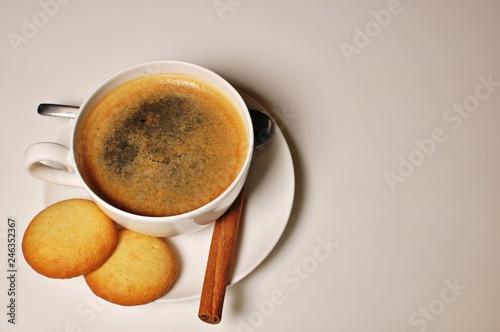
(141, 270)
(69, 238)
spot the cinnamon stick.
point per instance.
(219, 262)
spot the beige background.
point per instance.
(391, 110)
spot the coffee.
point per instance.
(162, 145)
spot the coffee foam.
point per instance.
(162, 145)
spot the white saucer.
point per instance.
(270, 189)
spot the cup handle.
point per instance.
(51, 162)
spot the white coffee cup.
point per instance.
(55, 163)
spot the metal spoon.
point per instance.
(263, 125)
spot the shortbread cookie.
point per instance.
(141, 270)
(69, 238)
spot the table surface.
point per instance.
(391, 110)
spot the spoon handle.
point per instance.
(64, 111)
(219, 263)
